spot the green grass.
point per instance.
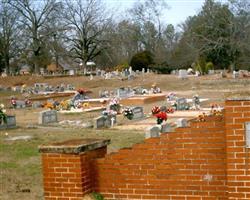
(21, 162)
(8, 165)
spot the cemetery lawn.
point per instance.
(20, 161)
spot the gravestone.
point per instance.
(124, 92)
(163, 108)
(104, 121)
(210, 71)
(182, 73)
(166, 128)
(36, 104)
(71, 72)
(20, 104)
(153, 132)
(126, 73)
(99, 122)
(131, 77)
(11, 122)
(130, 70)
(182, 104)
(137, 112)
(236, 74)
(110, 120)
(180, 123)
(48, 116)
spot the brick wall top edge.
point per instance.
(75, 146)
(238, 99)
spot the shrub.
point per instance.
(142, 60)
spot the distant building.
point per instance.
(25, 70)
(63, 66)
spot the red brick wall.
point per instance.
(68, 176)
(187, 164)
(238, 156)
(206, 161)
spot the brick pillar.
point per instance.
(237, 113)
(67, 167)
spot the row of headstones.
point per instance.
(50, 116)
(157, 130)
(109, 121)
(11, 122)
(129, 73)
(183, 73)
(43, 87)
(22, 104)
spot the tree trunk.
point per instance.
(36, 69)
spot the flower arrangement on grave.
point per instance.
(155, 110)
(170, 110)
(107, 113)
(85, 105)
(128, 113)
(82, 91)
(65, 105)
(48, 105)
(3, 116)
(114, 105)
(161, 116)
(215, 110)
(13, 102)
(202, 117)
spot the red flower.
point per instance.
(83, 91)
(155, 110)
(161, 115)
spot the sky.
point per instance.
(178, 10)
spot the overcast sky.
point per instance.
(178, 10)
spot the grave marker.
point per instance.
(46, 117)
(137, 112)
(166, 128)
(153, 132)
(181, 123)
(20, 104)
(182, 73)
(104, 121)
(182, 104)
(11, 122)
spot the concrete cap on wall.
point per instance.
(238, 99)
(75, 146)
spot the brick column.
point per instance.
(67, 167)
(237, 113)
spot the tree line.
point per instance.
(37, 32)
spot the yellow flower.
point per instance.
(85, 105)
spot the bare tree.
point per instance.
(8, 34)
(35, 17)
(87, 21)
(148, 16)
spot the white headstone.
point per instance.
(181, 123)
(182, 73)
(153, 131)
(71, 72)
(166, 128)
(130, 70)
